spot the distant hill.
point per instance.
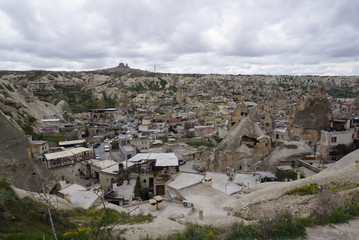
(121, 68)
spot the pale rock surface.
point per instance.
(64, 106)
(345, 161)
(310, 116)
(231, 151)
(274, 192)
(16, 164)
(285, 153)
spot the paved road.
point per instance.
(101, 151)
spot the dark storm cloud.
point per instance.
(230, 36)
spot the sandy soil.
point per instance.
(159, 227)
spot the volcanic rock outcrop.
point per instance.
(121, 68)
(270, 197)
(309, 117)
(64, 107)
(242, 147)
(354, 108)
(242, 111)
(285, 153)
(16, 163)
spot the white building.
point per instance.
(341, 131)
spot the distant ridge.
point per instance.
(121, 68)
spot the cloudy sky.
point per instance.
(184, 36)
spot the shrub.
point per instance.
(352, 205)
(115, 144)
(282, 226)
(195, 231)
(241, 231)
(325, 205)
(339, 215)
(218, 139)
(288, 174)
(304, 190)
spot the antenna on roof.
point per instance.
(154, 67)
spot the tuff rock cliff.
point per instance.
(311, 114)
(17, 167)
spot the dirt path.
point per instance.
(159, 227)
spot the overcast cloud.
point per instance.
(185, 36)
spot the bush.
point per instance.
(352, 206)
(288, 174)
(282, 226)
(195, 231)
(304, 190)
(325, 205)
(115, 144)
(241, 231)
(339, 216)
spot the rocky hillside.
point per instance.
(119, 86)
(17, 166)
(26, 109)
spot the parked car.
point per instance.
(98, 156)
(106, 140)
(181, 161)
(96, 145)
(107, 148)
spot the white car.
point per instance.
(98, 156)
(107, 148)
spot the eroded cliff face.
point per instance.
(16, 164)
(241, 148)
(26, 109)
(354, 108)
(310, 115)
(285, 154)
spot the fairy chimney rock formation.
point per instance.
(309, 117)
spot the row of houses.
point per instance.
(154, 171)
(68, 157)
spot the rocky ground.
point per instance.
(345, 231)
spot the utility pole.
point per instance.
(154, 67)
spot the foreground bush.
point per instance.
(197, 232)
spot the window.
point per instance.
(334, 139)
(353, 136)
(144, 180)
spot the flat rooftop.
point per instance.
(162, 159)
(184, 180)
(103, 164)
(208, 199)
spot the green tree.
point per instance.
(115, 144)
(137, 190)
(87, 132)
